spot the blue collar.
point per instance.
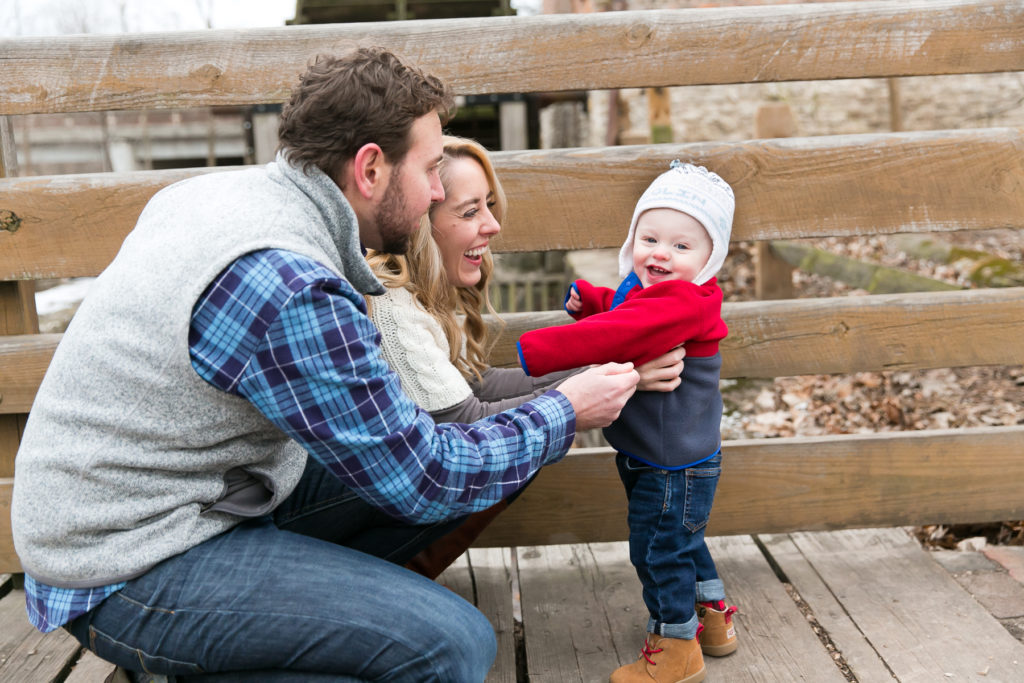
(627, 286)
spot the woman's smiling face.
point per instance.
(463, 224)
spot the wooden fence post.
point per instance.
(659, 112)
(895, 107)
(773, 277)
(17, 316)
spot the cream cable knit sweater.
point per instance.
(414, 345)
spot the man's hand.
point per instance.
(662, 373)
(598, 394)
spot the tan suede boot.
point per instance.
(664, 660)
(718, 637)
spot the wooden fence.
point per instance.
(855, 185)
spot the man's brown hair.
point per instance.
(366, 96)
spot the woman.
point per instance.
(431, 319)
(444, 278)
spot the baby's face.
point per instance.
(669, 245)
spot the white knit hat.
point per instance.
(696, 191)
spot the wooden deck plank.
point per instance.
(624, 606)
(91, 669)
(858, 653)
(25, 653)
(565, 615)
(912, 612)
(483, 576)
(458, 578)
(775, 641)
(492, 580)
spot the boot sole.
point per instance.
(696, 677)
(720, 650)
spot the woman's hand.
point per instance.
(662, 373)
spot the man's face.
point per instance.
(413, 185)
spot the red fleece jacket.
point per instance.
(648, 323)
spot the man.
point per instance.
(165, 510)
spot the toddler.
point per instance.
(668, 444)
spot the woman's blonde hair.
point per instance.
(421, 271)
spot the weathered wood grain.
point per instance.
(847, 334)
(91, 669)
(524, 54)
(17, 317)
(775, 641)
(786, 188)
(916, 616)
(483, 577)
(565, 615)
(25, 653)
(619, 591)
(9, 561)
(793, 484)
(493, 570)
(766, 339)
(850, 642)
(23, 362)
(59, 225)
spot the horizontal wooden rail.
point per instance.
(524, 54)
(766, 338)
(68, 226)
(771, 486)
(23, 362)
(793, 484)
(839, 335)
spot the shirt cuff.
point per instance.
(558, 415)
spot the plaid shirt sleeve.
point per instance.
(291, 337)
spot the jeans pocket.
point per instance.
(701, 482)
(134, 659)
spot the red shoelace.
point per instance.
(648, 650)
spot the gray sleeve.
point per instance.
(501, 389)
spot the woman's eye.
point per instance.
(470, 213)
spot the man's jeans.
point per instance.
(302, 596)
(668, 511)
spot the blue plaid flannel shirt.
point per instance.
(287, 334)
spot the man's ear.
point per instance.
(369, 169)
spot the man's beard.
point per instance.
(392, 220)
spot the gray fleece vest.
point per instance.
(128, 456)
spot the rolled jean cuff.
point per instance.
(687, 631)
(710, 591)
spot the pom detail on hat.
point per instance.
(696, 191)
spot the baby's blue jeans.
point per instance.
(668, 512)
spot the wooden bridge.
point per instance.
(888, 610)
(859, 605)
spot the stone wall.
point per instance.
(727, 112)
